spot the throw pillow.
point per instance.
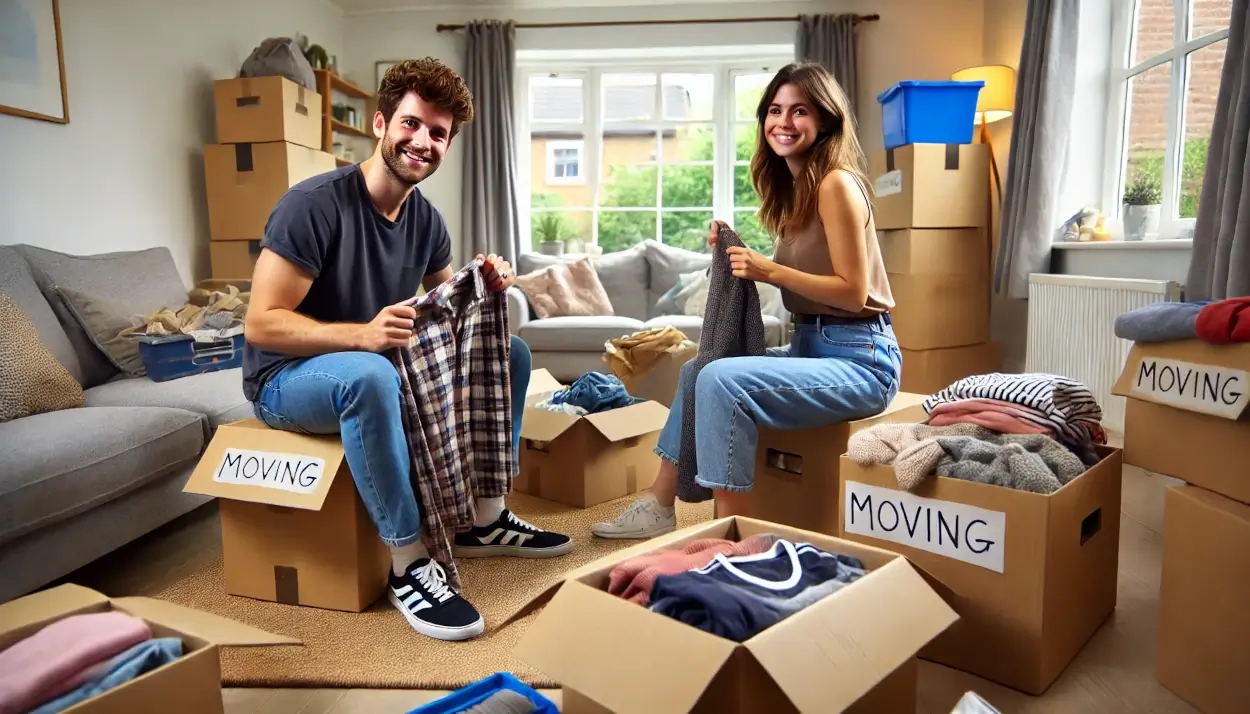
(32, 380)
(569, 289)
(103, 320)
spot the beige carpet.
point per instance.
(377, 648)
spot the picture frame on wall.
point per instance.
(32, 61)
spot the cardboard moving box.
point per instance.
(1185, 413)
(587, 460)
(233, 258)
(929, 371)
(245, 181)
(293, 529)
(1032, 576)
(189, 685)
(941, 285)
(931, 186)
(1204, 624)
(853, 651)
(797, 472)
(253, 110)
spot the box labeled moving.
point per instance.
(1185, 413)
(850, 651)
(254, 110)
(245, 181)
(581, 461)
(1032, 576)
(941, 285)
(293, 529)
(191, 684)
(931, 186)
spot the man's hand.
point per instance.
(497, 271)
(749, 265)
(391, 328)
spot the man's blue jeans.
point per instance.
(356, 395)
(829, 373)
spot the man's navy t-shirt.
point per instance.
(360, 261)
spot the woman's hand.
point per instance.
(712, 231)
(750, 265)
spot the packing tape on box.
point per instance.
(286, 584)
(300, 106)
(631, 479)
(534, 480)
(952, 158)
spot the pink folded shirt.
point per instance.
(1000, 416)
(633, 578)
(57, 658)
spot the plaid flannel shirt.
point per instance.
(457, 405)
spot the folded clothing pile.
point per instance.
(1030, 432)
(634, 355)
(733, 589)
(591, 393)
(77, 658)
(207, 316)
(1217, 322)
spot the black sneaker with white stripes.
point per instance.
(431, 606)
(510, 535)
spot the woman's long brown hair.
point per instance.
(788, 203)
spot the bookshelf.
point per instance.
(335, 90)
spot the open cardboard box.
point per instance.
(189, 685)
(587, 460)
(293, 528)
(851, 651)
(1185, 413)
(1032, 576)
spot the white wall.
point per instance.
(913, 40)
(127, 171)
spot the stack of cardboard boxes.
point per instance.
(931, 213)
(269, 139)
(1185, 417)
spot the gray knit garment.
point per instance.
(1025, 462)
(505, 701)
(733, 326)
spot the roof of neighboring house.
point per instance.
(563, 103)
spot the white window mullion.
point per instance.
(657, 115)
(723, 142)
(594, 145)
(523, 148)
(1176, 97)
(1123, 19)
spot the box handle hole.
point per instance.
(1091, 525)
(783, 461)
(535, 445)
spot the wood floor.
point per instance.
(1114, 674)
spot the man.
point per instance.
(342, 251)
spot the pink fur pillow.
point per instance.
(566, 289)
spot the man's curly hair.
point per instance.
(434, 82)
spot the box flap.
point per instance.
(832, 653)
(248, 461)
(545, 425)
(628, 422)
(541, 382)
(656, 665)
(206, 626)
(1192, 375)
(45, 604)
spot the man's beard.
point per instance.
(393, 157)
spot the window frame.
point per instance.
(577, 145)
(1122, 71)
(592, 70)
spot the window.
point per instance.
(1165, 72)
(621, 153)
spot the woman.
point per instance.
(843, 362)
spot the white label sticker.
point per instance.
(296, 473)
(1203, 388)
(954, 530)
(889, 183)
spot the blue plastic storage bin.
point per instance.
(183, 356)
(922, 112)
(473, 694)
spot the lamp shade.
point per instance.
(998, 97)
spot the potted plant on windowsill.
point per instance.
(1141, 209)
(549, 228)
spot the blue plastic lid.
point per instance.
(885, 96)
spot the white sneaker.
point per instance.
(645, 518)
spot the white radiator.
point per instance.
(1072, 330)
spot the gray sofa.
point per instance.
(635, 280)
(78, 483)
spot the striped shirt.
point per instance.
(1059, 404)
(457, 405)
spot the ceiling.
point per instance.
(368, 6)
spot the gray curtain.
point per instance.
(830, 41)
(1220, 265)
(1039, 144)
(491, 222)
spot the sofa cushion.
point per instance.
(18, 283)
(216, 395)
(569, 289)
(624, 275)
(59, 464)
(667, 264)
(575, 334)
(137, 282)
(692, 326)
(34, 381)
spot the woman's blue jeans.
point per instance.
(830, 372)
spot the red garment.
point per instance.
(633, 578)
(1224, 321)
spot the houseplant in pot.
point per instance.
(1141, 209)
(549, 229)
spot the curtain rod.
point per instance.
(618, 23)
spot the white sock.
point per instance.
(666, 510)
(488, 510)
(403, 556)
